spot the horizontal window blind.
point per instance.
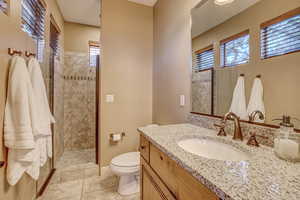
(33, 18)
(204, 59)
(94, 52)
(54, 39)
(3, 6)
(235, 50)
(281, 37)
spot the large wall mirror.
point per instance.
(251, 46)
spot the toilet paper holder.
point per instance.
(111, 136)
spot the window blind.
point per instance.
(235, 50)
(33, 18)
(33, 23)
(94, 52)
(54, 39)
(3, 6)
(281, 35)
(205, 59)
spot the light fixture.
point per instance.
(223, 2)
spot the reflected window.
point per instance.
(235, 50)
(204, 59)
(94, 53)
(281, 35)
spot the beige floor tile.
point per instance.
(71, 175)
(100, 184)
(101, 195)
(64, 190)
(91, 171)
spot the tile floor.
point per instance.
(77, 178)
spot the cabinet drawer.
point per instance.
(164, 167)
(144, 148)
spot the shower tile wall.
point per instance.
(79, 102)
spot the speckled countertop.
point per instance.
(262, 177)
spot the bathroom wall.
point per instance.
(126, 72)
(279, 74)
(12, 36)
(80, 88)
(172, 60)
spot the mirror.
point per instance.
(253, 41)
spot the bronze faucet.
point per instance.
(253, 115)
(237, 135)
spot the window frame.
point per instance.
(200, 51)
(229, 39)
(276, 20)
(93, 44)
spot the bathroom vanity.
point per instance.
(170, 170)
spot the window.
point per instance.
(33, 22)
(281, 35)
(94, 53)
(235, 50)
(205, 59)
(54, 38)
(3, 6)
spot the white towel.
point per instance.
(238, 105)
(19, 120)
(256, 101)
(45, 117)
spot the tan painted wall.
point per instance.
(126, 72)
(11, 35)
(172, 60)
(280, 75)
(77, 36)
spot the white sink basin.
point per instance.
(213, 149)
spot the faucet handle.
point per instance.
(252, 140)
(222, 129)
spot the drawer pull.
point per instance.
(161, 158)
(2, 163)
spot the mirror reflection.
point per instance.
(246, 60)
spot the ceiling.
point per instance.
(208, 15)
(145, 2)
(81, 11)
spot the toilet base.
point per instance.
(128, 185)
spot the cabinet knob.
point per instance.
(161, 158)
(2, 163)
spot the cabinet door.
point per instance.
(150, 189)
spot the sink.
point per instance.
(213, 149)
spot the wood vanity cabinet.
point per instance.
(163, 179)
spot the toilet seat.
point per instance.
(127, 160)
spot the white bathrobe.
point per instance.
(238, 105)
(45, 117)
(256, 101)
(19, 122)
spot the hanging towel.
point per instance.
(238, 105)
(256, 101)
(45, 117)
(19, 122)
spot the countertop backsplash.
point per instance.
(208, 122)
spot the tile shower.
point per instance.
(79, 102)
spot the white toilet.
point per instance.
(127, 166)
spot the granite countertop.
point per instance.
(262, 177)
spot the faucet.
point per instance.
(237, 135)
(253, 115)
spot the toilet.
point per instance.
(127, 167)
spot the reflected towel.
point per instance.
(256, 101)
(238, 105)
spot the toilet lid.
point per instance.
(131, 159)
